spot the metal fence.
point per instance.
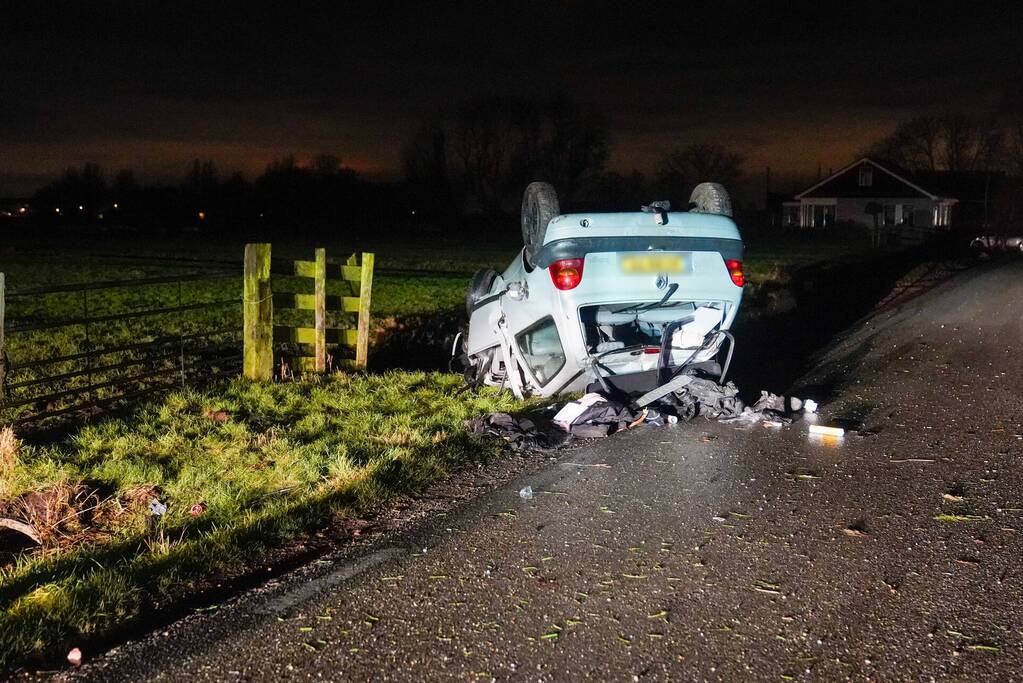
(69, 351)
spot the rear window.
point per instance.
(540, 346)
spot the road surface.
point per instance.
(700, 551)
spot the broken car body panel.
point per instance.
(634, 274)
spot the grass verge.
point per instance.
(266, 463)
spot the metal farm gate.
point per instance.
(72, 351)
(75, 350)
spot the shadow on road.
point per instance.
(779, 334)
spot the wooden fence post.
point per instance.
(365, 294)
(320, 310)
(3, 338)
(258, 308)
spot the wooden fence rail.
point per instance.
(317, 303)
(260, 301)
(258, 314)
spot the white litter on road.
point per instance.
(570, 411)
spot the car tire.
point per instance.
(479, 286)
(710, 198)
(539, 205)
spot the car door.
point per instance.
(535, 327)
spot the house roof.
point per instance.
(867, 160)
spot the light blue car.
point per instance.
(622, 301)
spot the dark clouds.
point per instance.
(152, 84)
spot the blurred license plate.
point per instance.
(638, 264)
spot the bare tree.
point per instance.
(201, 177)
(488, 148)
(485, 139)
(700, 162)
(427, 171)
(971, 144)
(563, 143)
(950, 142)
(326, 164)
(86, 188)
(915, 144)
(1013, 148)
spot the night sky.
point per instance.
(151, 85)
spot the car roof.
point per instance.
(637, 223)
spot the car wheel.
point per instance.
(479, 287)
(710, 198)
(539, 206)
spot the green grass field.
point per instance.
(267, 462)
(435, 285)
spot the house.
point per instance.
(866, 190)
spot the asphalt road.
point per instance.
(699, 551)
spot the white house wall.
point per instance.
(855, 210)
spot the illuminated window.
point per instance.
(943, 215)
(866, 176)
(823, 215)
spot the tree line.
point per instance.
(479, 155)
(286, 193)
(955, 142)
(472, 160)
(475, 158)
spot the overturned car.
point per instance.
(621, 302)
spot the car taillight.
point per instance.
(567, 273)
(735, 271)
